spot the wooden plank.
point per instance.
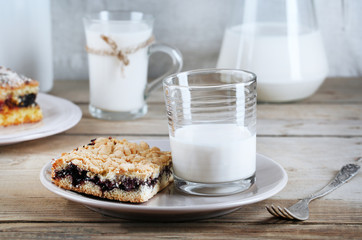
(56, 209)
(273, 112)
(308, 112)
(75, 91)
(177, 231)
(338, 90)
(272, 120)
(151, 124)
(333, 90)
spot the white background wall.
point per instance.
(196, 27)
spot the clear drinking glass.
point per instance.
(212, 127)
(119, 45)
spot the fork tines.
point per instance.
(279, 212)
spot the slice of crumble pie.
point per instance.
(17, 99)
(114, 169)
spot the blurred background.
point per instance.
(197, 28)
(194, 27)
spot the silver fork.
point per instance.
(300, 210)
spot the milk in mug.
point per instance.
(114, 86)
(213, 153)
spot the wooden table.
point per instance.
(311, 139)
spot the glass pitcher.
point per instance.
(278, 40)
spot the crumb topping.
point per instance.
(109, 156)
(9, 78)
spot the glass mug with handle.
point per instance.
(119, 44)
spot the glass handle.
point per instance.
(177, 63)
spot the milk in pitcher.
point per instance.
(288, 66)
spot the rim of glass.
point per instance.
(120, 16)
(252, 77)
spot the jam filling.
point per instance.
(25, 101)
(79, 177)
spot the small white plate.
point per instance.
(58, 115)
(172, 205)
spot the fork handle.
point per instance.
(346, 173)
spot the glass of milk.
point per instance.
(119, 45)
(280, 41)
(212, 127)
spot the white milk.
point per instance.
(287, 67)
(213, 153)
(112, 89)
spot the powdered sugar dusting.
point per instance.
(9, 78)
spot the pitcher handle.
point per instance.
(177, 63)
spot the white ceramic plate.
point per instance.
(58, 115)
(172, 205)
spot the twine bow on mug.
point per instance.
(121, 54)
